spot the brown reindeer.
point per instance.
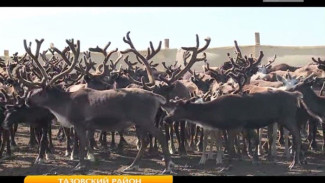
(87, 109)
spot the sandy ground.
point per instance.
(113, 163)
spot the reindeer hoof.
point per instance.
(131, 168)
(73, 156)
(39, 161)
(67, 153)
(171, 148)
(49, 156)
(219, 162)
(294, 165)
(202, 162)
(79, 168)
(304, 162)
(91, 157)
(168, 172)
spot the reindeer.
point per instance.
(88, 109)
(314, 102)
(216, 114)
(38, 117)
(169, 87)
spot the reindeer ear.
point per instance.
(87, 78)
(193, 79)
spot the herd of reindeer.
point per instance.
(229, 107)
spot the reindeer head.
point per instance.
(320, 63)
(101, 79)
(176, 109)
(203, 82)
(289, 81)
(46, 85)
(266, 67)
(305, 84)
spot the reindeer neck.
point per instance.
(58, 100)
(193, 109)
(312, 100)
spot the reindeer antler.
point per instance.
(151, 52)
(194, 58)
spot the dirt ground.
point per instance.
(113, 163)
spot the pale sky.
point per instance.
(97, 26)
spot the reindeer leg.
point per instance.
(196, 137)
(60, 135)
(260, 146)
(2, 142)
(157, 125)
(12, 137)
(323, 128)
(274, 138)
(7, 141)
(169, 137)
(122, 139)
(42, 144)
(182, 150)
(270, 141)
(281, 140)
(68, 141)
(160, 136)
(90, 151)
(113, 145)
(92, 141)
(255, 138)
(231, 139)
(225, 136)
(150, 143)
(187, 136)
(292, 127)
(192, 135)
(312, 133)
(82, 136)
(205, 143)
(75, 151)
(122, 142)
(51, 147)
(141, 133)
(286, 143)
(218, 138)
(103, 139)
(176, 129)
(32, 140)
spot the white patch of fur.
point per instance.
(62, 119)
